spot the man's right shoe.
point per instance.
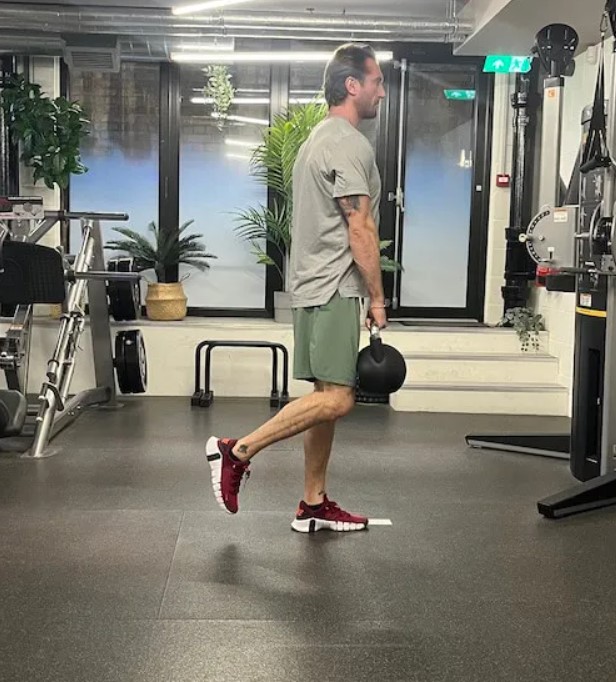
(227, 473)
(328, 516)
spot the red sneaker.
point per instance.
(227, 474)
(328, 516)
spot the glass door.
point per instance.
(440, 209)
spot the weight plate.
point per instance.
(124, 297)
(550, 237)
(131, 361)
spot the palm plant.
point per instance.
(272, 164)
(167, 250)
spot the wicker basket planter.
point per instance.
(166, 301)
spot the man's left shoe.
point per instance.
(227, 472)
(328, 516)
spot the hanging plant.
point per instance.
(220, 88)
(49, 130)
(526, 324)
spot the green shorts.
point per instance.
(327, 341)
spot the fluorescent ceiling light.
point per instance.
(204, 6)
(280, 56)
(233, 142)
(243, 119)
(306, 100)
(239, 156)
(236, 100)
(211, 45)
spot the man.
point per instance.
(335, 262)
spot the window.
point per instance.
(121, 151)
(215, 183)
(306, 82)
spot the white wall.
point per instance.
(170, 350)
(500, 199)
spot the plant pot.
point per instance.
(166, 302)
(283, 312)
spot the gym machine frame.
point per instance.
(592, 442)
(56, 410)
(555, 48)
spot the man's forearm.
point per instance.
(367, 255)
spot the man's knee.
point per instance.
(340, 400)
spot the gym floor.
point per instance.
(116, 564)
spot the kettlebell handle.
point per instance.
(376, 344)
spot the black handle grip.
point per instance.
(593, 164)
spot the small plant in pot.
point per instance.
(165, 299)
(527, 326)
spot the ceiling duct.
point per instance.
(91, 52)
(153, 34)
(62, 18)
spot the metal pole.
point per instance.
(58, 365)
(399, 197)
(99, 320)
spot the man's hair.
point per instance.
(349, 61)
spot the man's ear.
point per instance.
(352, 86)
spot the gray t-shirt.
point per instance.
(335, 161)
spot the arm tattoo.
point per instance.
(349, 205)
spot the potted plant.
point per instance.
(220, 89)
(526, 324)
(165, 299)
(50, 131)
(272, 164)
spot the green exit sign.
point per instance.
(496, 63)
(461, 95)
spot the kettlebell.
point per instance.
(381, 369)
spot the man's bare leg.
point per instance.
(317, 450)
(318, 442)
(322, 406)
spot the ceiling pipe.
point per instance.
(60, 19)
(138, 48)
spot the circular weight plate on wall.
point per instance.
(131, 361)
(124, 297)
(550, 237)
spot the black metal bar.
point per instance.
(9, 154)
(85, 215)
(274, 370)
(595, 494)
(198, 365)
(519, 268)
(208, 369)
(169, 175)
(211, 345)
(285, 371)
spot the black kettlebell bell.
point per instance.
(381, 369)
